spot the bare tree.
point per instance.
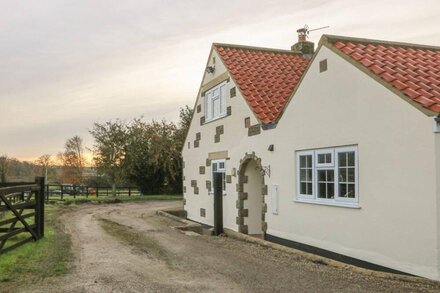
(73, 160)
(4, 166)
(44, 162)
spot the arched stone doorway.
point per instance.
(251, 206)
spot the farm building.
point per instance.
(335, 151)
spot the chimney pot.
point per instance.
(303, 46)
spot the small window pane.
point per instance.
(343, 190)
(325, 158)
(216, 107)
(309, 188)
(351, 193)
(303, 189)
(302, 175)
(322, 190)
(322, 175)
(342, 175)
(302, 161)
(342, 159)
(309, 161)
(221, 165)
(328, 158)
(306, 174)
(223, 98)
(309, 175)
(330, 175)
(351, 159)
(351, 175)
(209, 106)
(214, 167)
(330, 190)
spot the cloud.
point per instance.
(66, 64)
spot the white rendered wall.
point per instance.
(235, 140)
(396, 225)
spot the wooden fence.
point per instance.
(21, 214)
(59, 192)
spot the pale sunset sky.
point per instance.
(67, 64)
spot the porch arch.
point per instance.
(243, 196)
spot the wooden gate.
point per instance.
(21, 214)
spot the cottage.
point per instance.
(335, 151)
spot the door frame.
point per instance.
(218, 202)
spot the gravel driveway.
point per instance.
(128, 248)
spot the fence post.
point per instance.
(129, 191)
(39, 207)
(47, 192)
(87, 191)
(97, 191)
(62, 191)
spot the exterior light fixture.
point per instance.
(271, 148)
(436, 126)
(210, 69)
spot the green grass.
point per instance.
(36, 261)
(112, 199)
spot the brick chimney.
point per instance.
(303, 46)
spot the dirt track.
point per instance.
(150, 256)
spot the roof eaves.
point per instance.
(328, 42)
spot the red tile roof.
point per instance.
(266, 77)
(414, 70)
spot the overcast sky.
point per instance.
(67, 64)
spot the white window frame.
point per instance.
(298, 183)
(334, 165)
(356, 177)
(222, 170)
(322, 152)
(210, 99)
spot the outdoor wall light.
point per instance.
(436, 127)
(271, 148)
(210, 69)
(234, 172)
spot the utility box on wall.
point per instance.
(274, 199)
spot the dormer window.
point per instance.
(215, 99)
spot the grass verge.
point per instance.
(36, 261)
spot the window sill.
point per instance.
(352, 205)
(215, 119)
